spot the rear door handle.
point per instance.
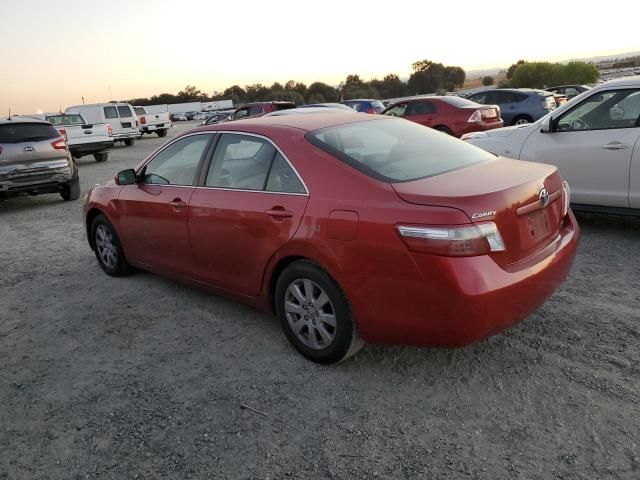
(177, 204)
(279, 212)
(615, 146)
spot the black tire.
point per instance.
(162, 133)
(522, 119)
(101, 157)
(71, 191)
(443, 129)
(120, 267)
(346, 339)
(129, 142)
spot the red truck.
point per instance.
(257, 109)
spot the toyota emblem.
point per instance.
(544, 197)
(29, 148)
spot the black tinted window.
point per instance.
(124, 111)
(255, 110)
(110, 112)
(420, 108)
(282, 178)
(284, 106)
(392, 150)
(139, 110)
(72, 119)
(27, 132)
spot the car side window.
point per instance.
(178, 163)
(397, 110)
(602, 111)
(243, 112)
(254, 110)
(282, 178)
(110, 112)
(241, 162)
(124, 111)
(420, 108)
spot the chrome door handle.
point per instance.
(615, 146)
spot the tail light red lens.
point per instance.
(453, 241)
(63, 132)
(110, 130)
(59, 144)
(143, 121)
(370, 110)
(476, 117)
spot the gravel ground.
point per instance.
(140, 377)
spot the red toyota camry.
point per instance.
(352, 228)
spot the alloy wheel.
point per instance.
(106, 246)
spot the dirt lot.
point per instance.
(143, 378)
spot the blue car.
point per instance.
(517, 105)
(365, 105)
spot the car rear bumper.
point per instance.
(477, 127)
(42, 176)
(89, 148)
(153, 128)
(124, 136)
(458, 301)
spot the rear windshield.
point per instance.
(27, 132)
(139, 110)
(395, 150)
(458, 102)
(284, 106)
(124, 111)
(72, 119)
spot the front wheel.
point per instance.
(315, 314)
(108, 248)
(129, 142)
(443, 129)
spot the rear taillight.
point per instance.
(110, 130)
(136, 123)
(453, 241)
(63, 132)
(476, 117)
(370, 110)
(566, 198)
(143, 121)
(59, 144)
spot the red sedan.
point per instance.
(353, 228)
(453, 115)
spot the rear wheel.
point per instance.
(108, 248)
(162, 133)
(71, 191)
(443, 129)
(522, 120)
(315, 315)
(129, 142)
(101, 157)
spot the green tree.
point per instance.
(327, 91)
(190, 94)
(316, 98)
(453, 78)
(390, 86)
(512, 68)
(289, 96)
(546, 74)
(276, 87)
(353, 81)
(427, 77)
(256, 92)
(235, 93)
(488, 80)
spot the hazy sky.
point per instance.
(53, 53)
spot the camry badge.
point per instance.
(488, 213)
(544, 197)
(29, 148)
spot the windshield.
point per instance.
(395, 150)
(73, 119)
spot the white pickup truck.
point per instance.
(83, 138)
(152, 122)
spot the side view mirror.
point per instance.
(126, 177)
(547, 125)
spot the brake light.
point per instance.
(476, 117)
(59, 144)
(566, 198)
(143, 121)
(110, 130)
(63, 132)
(453, 241)
(136, 123)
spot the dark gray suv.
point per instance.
(34, 159)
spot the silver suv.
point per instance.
(35, 159)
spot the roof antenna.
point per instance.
(9, 114)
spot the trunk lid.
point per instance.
(506, 192)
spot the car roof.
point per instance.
(632, 81)
(22, 119)
(309, 110)
(361, 100)
(306, 123)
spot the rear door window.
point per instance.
(282, 178)
(27, 132)
(124, 111)
(398, 110)
(420, 108)
(110, 112)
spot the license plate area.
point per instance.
(538, 224)
(126, 124)
(160, 125)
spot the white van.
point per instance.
(120, 116)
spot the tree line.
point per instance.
(426, 77)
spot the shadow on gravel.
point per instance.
(597, 221)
